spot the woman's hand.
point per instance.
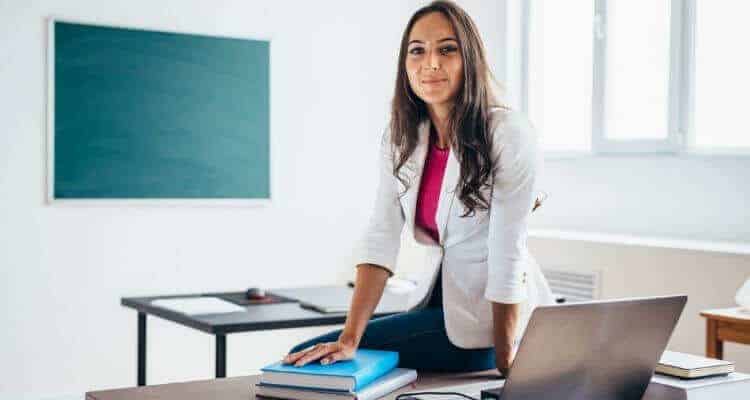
(328, 353)
(503, 363)
(368, 289)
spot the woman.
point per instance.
(447, 140)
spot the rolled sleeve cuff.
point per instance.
(508, 288)
(368, 255)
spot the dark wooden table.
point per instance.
(725, 325)
(255, 317)
(243, 388)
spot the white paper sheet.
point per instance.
(198, 305)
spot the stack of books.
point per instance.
(684, 365)
(370, 375)
(681, 376)
(732, 386)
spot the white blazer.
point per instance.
(484, 257)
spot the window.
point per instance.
(636, 59)
(722, 84)
(560, 73)
(636, 76)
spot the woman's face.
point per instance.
(433, 60)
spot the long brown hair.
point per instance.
(469, 123)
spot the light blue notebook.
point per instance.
(347, 376)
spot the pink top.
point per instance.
(429, 187)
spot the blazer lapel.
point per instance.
(447, 194)
(447, 190)
(416, 163)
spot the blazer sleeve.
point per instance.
(512, 198)
(382, 238)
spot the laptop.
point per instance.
(600, 350)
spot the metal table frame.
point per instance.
(284, 315)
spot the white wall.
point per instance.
(64, 269)
(709, 279)
(680, 197)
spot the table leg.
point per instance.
(714, 346)
(221, 356)
(141, 349)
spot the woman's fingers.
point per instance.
(293, 357)
(309, 357)
(290, 358)
(314, 355)
(327, 353)
(332, 358)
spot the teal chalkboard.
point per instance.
(139, 114)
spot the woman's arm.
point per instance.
(518, 160)
(505, 319)
(369, 287)
(376, 254)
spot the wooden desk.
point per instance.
(725, 325)
(243, 388)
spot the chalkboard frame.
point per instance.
(158, 202)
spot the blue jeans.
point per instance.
(420, 339)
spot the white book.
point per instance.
(735, 386)
(380, 387)
(691, 366)
(198, 305)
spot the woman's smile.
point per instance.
(434, 82)
(434, 85)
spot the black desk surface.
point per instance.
(259, 316)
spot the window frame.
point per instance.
(681, 136)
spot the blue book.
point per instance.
(345, 376)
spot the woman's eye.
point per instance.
(416, 50)
(448, 49)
